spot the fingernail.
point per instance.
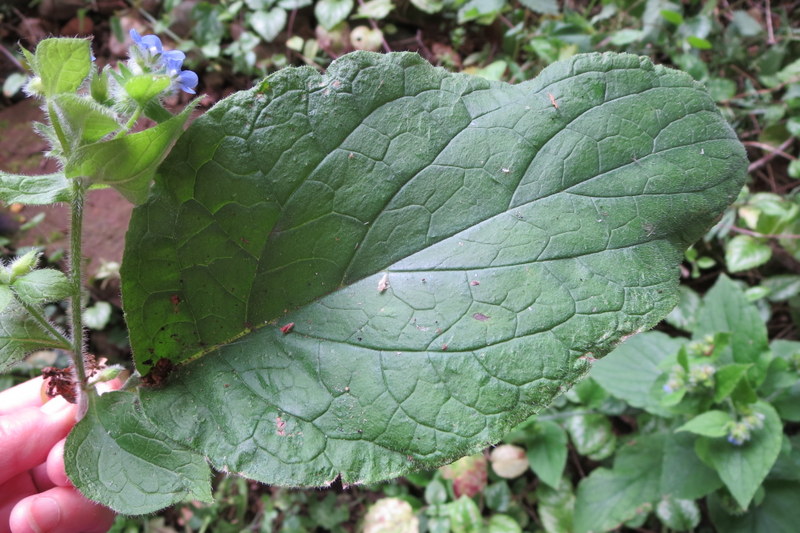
(45, 514)
(55, 405)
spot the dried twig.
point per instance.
(772, 152)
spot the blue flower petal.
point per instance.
(188, 81)
(150, 44)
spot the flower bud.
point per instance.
(391, 515)
(509, 461)
(23, 264)
(34, 87)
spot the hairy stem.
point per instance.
(56, 123)
(76, 281)
(131, 122)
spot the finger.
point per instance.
(40, 477)
(55, 465)
(60, 510)
(11, 492)
(28, 394)
(27, 436)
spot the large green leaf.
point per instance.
(450, 251)
(116, 456)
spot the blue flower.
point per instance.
(171, 61)
(185, 80)
(149, 44)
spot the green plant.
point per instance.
(370, 272)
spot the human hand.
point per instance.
(35, 494)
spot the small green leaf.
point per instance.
(544, 7)
(743, 468)
(498, 496)
(726, 380)
(726, 309)
(21, 334)
(787, 403)
(428, 6)
(62, 64)
(145, 87)
(34, 190)
(547, 452)
(268, 24)
(684, 315)
(591, 434)
(680, 515)
(96, 317)
(778, 512)
(556, 506)
(116, 457)
(744, 252)
(481, 11)
(128, 163)
(699, 42)
(745, 25)
(721, 89)
(673, 17)
(794, 169)
(329, 13)
(608, 498)
(793, 125)
(84, 120)
(626, 37)
(683, 474)
(708, 424)
(375, 9)
(435, 492)
(631, 371)
(502, 523)
(42, 286)
(465, 516)
(6, 297)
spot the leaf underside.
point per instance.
(450, 250)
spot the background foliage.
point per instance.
(665, 402)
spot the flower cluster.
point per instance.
(741, 431)
(148, 55)
(699, 376)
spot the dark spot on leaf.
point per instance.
(175, 300)
(159, 373)
(148, 362)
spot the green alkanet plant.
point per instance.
(368, 272)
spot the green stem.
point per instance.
(66, 343)
(76, 280)
(62, 138)
(128, 125)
